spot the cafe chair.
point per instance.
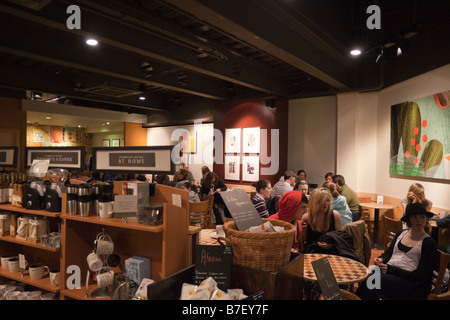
(441, 267)
(198, 213)
(391, 227)
(209, 198)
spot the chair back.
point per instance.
(442, 266)
(198, 213)
(210, 198)
(397, 213)
(391, 227)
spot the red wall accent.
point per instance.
(254, 113)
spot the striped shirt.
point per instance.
(260, 205)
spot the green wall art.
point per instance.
(420, 137)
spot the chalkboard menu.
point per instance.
(327, 280)
(241, 209)
(215, 262)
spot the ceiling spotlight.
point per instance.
(399, 51)
(141, 98)
(91, 42)
(355, 52)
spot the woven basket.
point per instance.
(266, 251)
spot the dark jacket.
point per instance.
(342, 245)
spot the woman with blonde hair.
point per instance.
(321, 218)
(416, 194)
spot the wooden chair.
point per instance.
(442, 264)
(391, 227)
(397, 213)
(198, 213)
(365, 216)
(209, 198)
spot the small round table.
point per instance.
(346, 271)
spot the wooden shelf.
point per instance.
(132, 224)
(79, 294)
(28, 243)
(43, 283)
(9, 207)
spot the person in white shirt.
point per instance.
(285, 184)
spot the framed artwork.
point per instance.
(8, 156)
(115, 143)
(250, 140)
(105, 143)
(420, 137)
(232, 168)
(250, 168)
(233, 140)
(188, 141)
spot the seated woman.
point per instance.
(263, 191)
(416, 194)
(193, 196)
(213, 185)
(325, 233)
(293, 205)
(339, 203)
(407, 265)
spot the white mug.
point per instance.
(34, 295)
(38, 271)
(106, 278)
(23, 295)
(106, 209)
(54, 277)
(12, 295)
(94, 261)
(5, 260)
(14, 263)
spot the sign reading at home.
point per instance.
(326, 278)
(215, 262)
(132, 159)
(241, 209)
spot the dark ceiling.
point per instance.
(185, 55)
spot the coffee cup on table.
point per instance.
(38, 271)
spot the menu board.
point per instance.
(241, 209)
(327, 280)
(215, 262)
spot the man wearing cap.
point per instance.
(406, 267)
(285, 184)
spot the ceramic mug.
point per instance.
(106, 209)
(38, 271)
(104, 245)
(23, 295)
(48, 296)
(13, 264)
(12, 295)
(34, 295)
(94, 261)
(5, 260)
(54, 277)
(105, 277)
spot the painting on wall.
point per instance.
(233, 140)
(420, 137)
(250, 168)
(232, 167)
(250, 140)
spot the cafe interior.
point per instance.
(327, 86)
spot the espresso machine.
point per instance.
(54, 191)
(34, 197)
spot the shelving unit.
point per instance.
(165, 245)
(33, 251)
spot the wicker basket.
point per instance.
(266, 251)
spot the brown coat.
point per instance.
(361, 240)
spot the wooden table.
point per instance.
(346, 271)
(205, 237)
(376, 207)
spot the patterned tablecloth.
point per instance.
(205, 237)
(346, 271)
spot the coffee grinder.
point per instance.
(53, 192)
(34, 198)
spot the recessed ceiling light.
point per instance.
(48, 118)
(141, 98)
(355, 52)
(91, 42)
